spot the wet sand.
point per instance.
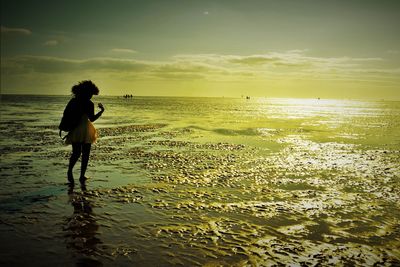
(194, 183)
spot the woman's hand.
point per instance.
(101, 106)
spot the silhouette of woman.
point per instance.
(84, 134)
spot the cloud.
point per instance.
(43, 64)
(392, 51)
(56, 40)
(124, 50)
(395, 71)
(186, 70)
(289, 59)
(51, 43)
(293, 58)
(254, 60)
(294, 64)
(19, 31)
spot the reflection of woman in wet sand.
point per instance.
(81, 228)
(84, 134)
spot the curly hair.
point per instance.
(85, 88)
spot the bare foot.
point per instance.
(83, 179)
(70, 177)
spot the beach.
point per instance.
(203, 182)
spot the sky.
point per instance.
(286, 48)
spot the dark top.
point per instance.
(78, 107)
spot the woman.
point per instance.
(84, 134)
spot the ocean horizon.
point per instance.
(222, 96)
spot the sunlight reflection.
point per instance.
(296, 108)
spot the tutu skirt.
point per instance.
(83, 133)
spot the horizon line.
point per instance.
(235, 97)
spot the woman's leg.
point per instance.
(76, 153)
(85, 159)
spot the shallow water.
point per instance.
(204, 181)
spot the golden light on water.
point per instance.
(216, 180)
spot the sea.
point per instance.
(182, 181)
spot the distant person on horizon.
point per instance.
(83, 135)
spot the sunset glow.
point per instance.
(335, 49)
